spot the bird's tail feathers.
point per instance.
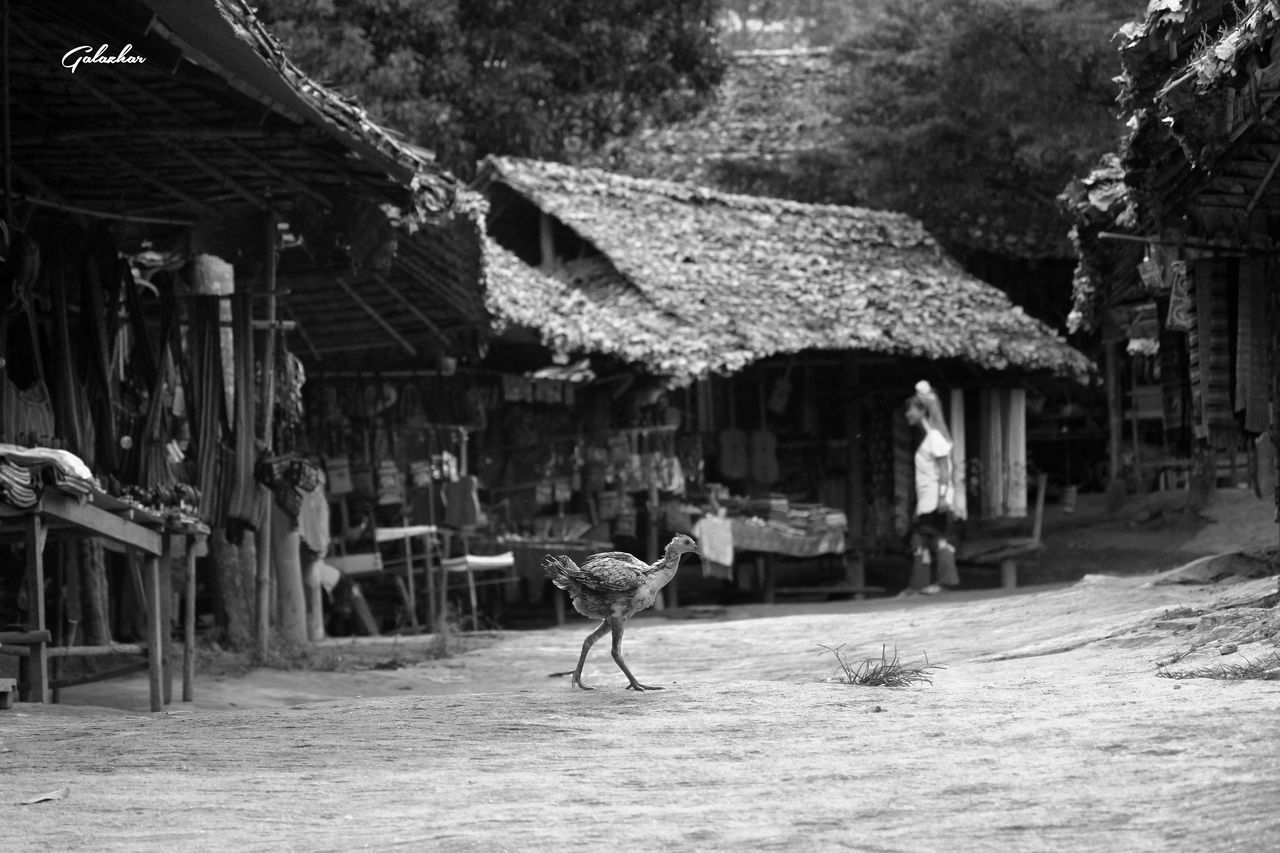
(558, 569)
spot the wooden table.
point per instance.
(156, 539)
(764, 543)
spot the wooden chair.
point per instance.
(470, 565)
(1006, 551)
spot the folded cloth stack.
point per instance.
(67, 462)
(16, 486)
(26, 471)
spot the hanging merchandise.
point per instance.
(363, 482)
(420, 473)
(390, 483)
(543, 493)
(462, 502)
(563, 489)
(608, 505)
(1181, 309)
(339, 472)
(764, 449)
(625, 523)
(734, 462)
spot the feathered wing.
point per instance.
(610, 571)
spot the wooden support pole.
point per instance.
(166, 620)
(1115, 409)
(262, 536)
(38, 665)
(155, 632)
(410, 592)
(189, 625)
(855, 487)
(429, 581)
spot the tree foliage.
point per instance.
(974, 114)
(538, 78)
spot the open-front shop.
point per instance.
(1177, 240)
(781, 340)
(168, 226)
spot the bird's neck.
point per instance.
(665, 569)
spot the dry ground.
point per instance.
(1050, 728)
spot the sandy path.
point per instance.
(1048, 730)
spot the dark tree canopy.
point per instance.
(538, 78)
(974, 114)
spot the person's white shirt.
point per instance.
(928, 478)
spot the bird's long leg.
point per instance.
(586, 647)
(617, 626)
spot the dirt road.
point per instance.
(1049, 729)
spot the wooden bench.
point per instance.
(1006, 551)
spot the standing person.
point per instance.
(929, 545)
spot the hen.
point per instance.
(613, 586)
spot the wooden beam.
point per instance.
(221, 177)
(414, 310)
(102, 214)
(301, 330)
(280, 175)
(167, 134)
(95, 520)
(240, 149)
(378, 318)
(355, 347)
(1262, 185)
(151, 179)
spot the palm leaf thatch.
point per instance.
(690, 281)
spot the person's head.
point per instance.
(925, 409)
(916, 411)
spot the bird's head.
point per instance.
(682, 544)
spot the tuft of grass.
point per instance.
(1263, 669)
(885, 672)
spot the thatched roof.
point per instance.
(218, 127)
(1198, 167)
(774, 110)
(690, 281)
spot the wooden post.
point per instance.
(1135, 430)
(165, 599)
(57, 635)
(1115, 409)
(407, 542)
(428, 579)
(155, 642)
(855, 488)
(38, 664)
(315, 600)
(189, 624)
(262, 633)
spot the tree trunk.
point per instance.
(96, 625)
(233, 568)
(291, 602)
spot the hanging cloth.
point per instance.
(207, 405)
(71, 409)
(1252, 333)
(246, 504)
(98, 314)
(1213, 342)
